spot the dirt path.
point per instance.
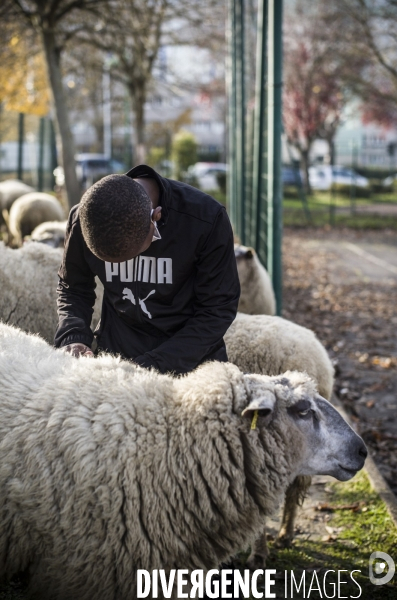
(343, 285)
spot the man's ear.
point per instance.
(156, 216)
(261, 398)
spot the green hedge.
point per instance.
(344, 189)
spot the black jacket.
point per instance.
(170, 306)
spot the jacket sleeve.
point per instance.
(217, 292)
(76, 289)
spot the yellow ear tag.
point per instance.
(254, 420)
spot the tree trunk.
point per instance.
(68, 151)
(331, 146)
(305, 167)
(138, 97)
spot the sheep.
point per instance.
(271, 345)
(28, 282)
(257, 295)
(51, 233)
(27, 212)
(106, 468)
(10, 190)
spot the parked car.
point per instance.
(89, 169)
(205, 173)
(92, 167)
(290, 175)
(321, 177)
(389, 181)
(118, 167)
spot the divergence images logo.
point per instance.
(378, 561)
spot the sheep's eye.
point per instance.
(304, 413)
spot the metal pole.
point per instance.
(40, 165)
(274, 130)
(231, 117)
(240, 114)
(258, 203)
(53, 153)
(21, 135)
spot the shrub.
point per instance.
(221, 179)
(155, 156)
(184, 152)
(344, 189)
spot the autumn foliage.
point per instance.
(23, 78)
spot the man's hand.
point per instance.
(78, 350)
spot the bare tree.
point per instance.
(56, 22)
(314, 93)
(130, 34)
(366, 43)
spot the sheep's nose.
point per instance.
(363, 452)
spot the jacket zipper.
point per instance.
(136, 292)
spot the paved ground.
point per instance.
(343, 285)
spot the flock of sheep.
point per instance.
(106, 468)
(30, 213)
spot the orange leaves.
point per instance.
(23, 77)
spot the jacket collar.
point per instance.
(146, 171)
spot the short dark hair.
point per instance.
(114, 214)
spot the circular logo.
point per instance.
(377, 567)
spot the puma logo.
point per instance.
(128, 295)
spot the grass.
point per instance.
(337, 210)
(297, 218)
(359, 534)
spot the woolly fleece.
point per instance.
(272, 345)
(28, 282)
(106, 467)
(257, 295)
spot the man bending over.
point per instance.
(164, 253)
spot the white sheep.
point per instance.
(51, 233)
(257, 295)
(10, 190)
(28, 282)
(272, 345)
(269, 346)
(27, 212)
(106, 468)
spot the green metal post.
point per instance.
(247, 203)
(274, 130)
(259, 170)
(21, 135)
(231, 117)
(53, 149)
(240, 114)
(258, 220)
(40, 165)
(236, 118)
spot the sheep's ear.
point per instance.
(262, 400)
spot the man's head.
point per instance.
(115, 218)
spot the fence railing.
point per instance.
(27, 149)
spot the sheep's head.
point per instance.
(325, 444)
(245, 258)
